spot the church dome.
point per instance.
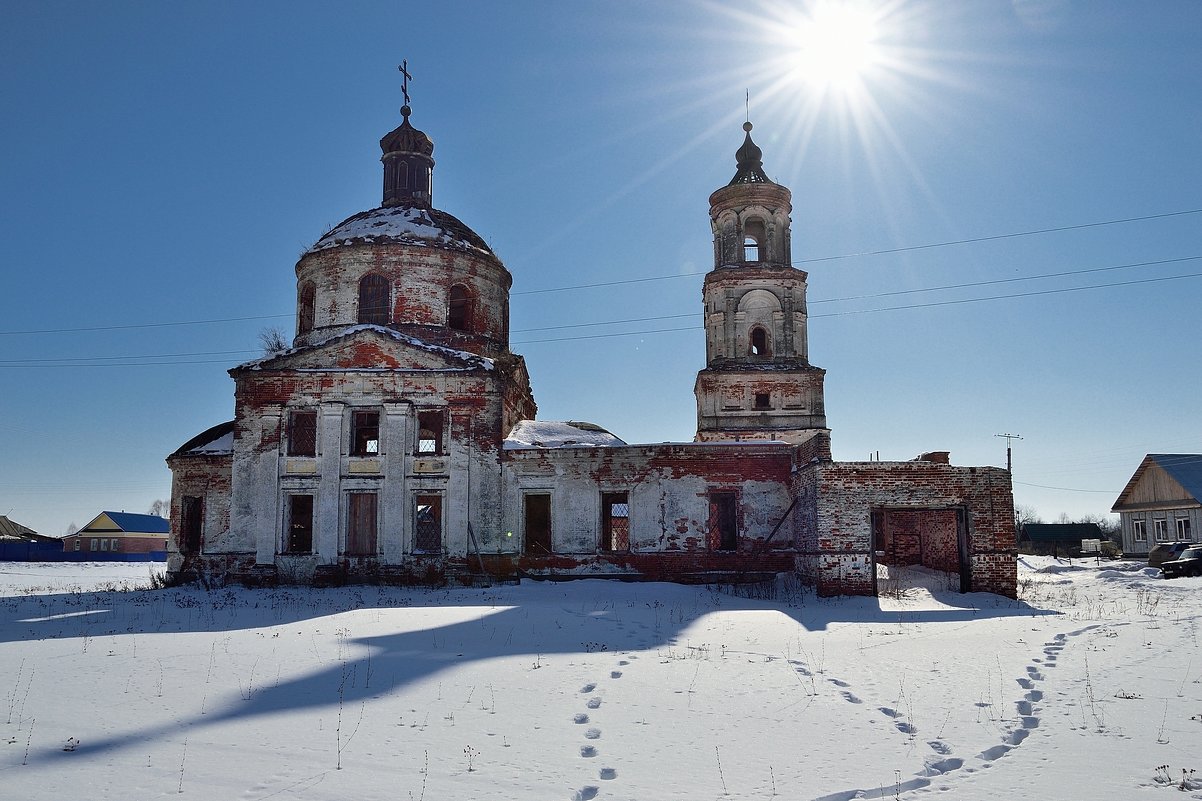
(407, 139)
(416, 225)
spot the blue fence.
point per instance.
(53, 552)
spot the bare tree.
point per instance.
(1024, 515)
(160, 508)
(71, 529)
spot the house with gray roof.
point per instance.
(1161, 503)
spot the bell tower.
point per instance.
(758, 383)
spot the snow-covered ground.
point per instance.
(1084, 689)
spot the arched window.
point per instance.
(402, 175)
(373, 299)
(759, 342)
(751, 249)
(304, 313)
(459, 309)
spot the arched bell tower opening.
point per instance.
(757, 382)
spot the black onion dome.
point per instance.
(407, 224)
(407, 139)
(748, 156)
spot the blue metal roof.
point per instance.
(1185, 468)
(140, 524)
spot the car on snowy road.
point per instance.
(1189, 563)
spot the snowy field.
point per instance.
(1090, 687)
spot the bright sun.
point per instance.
(836, 45)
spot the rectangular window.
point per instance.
(724, 531)
(615, 521)
(193, 514)
(1183, 528)
(1160, 529)
(302, 433)
(299, 536)
(114, 545)
(104, 544)
(429, 434)
(78, 542)
(538, 524)
(365, 433)
(1139, 531)
(427, 524)
(94, 546)
(361, 524)
(763, 400)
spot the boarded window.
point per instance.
(615, 521)
(427, 524)
(723, 534)
(361, 524)
(302, 433)
(538, 525)
(305, 310)
(365, 433)
(373, 299)
(299, 538)
(459, 309)
(192, 522)
(429, 435)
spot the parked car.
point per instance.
(1188, 564)
(1166, 551)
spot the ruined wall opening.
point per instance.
(615, 521)
(299, 537)
(459, 309)
(429, 433)
(306, 308)
(924, 548)
(723, 521)
(758, 342)
(427, 524)
(538, 524)
(373, 299)
(192, 524)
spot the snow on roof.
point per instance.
(407, 225)
(214, 441)
(475, 359)
(552, 434)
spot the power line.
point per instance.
(145, 325)
(602, 284)
(1064, 489)
(890, 308)
(886, 251)
(942, 288)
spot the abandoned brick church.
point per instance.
(397, 439)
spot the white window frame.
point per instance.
(1183, 528)
(1139, 530)
(1160, 529)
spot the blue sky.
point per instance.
(169, 162)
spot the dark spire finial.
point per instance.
(405, 78)
(751, 168)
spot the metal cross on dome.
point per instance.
(405, 78)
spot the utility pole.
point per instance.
(1008, 437)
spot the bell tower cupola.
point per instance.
(758, 382)
(408, 159)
